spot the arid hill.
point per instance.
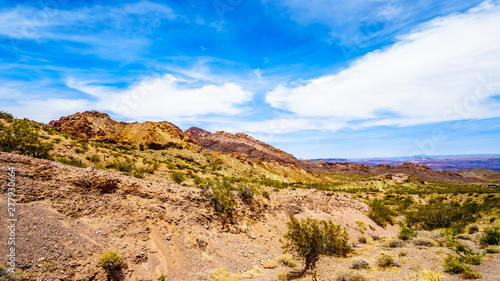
(239, 143)
(95, 125)
(415, 170)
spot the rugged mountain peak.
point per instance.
(96, 125)
(197, 133)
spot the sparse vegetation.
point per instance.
(287, 260)
(351, 276)
(22, 136)
(384, 260)
(491, 236)
(430, 275)
(380, 214)
(110, 260)
(178, 177)
(311, 238)
(221, 274)
(360, 264)
(492, 251)
(71, 161)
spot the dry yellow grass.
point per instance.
(287, 260)
(221, 274)
(254, 272)
(430, 275)
(270, 264)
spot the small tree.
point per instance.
(311, 238)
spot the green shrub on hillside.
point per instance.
(110, 260)
(491, 236)
(380, 214)
(178, 177)
(22, 136)
(310, 238)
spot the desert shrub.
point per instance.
(375, 237)
(22, 137)
(222, 198)
(453, 265)
(469, 273)
(492, 251)
(362, 240)
(161, 278)
(403, 253)
(441, 215)
(265, 193)
(426, 242)
(123, 166)
(311, 238)
(396, 243)
(407, 231)
(491, 236)
(254, 272)
(287, 260)
(351, 276)
(362, 226)
(110, 260)
(178, 177)
(270, 264)
(221, 274)
(360, 264)
(247, 194)
(473, 229)
(94, 158)
(380, 214)
(71, 161)
(385, 260)
(430, 275)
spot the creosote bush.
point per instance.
(491, 236)
(178, 177)
(110, 260)
(385, 260)
(22, 136)
(310, 238)
(381, 214)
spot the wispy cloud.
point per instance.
(111, 32)
(167, 98)
(436, 73)
(361, 23)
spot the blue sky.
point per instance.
(317, 78)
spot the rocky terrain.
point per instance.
(98, 126)
(200, 206)
(241, 144)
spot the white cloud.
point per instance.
(443, 71)
(167, 98)
(361, 23)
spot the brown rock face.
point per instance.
(99, 126)
(241, 144)
(197, 133)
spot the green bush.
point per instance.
(22, 136)
(71, 161)
(492, 251)
(110, 260)
(311, 238)
(491, 236)
(222, 198)
(178, 177)
(454, 265)
(441, 215)
(406, 231)
(385, 260)
(94, 158)
(380, 213)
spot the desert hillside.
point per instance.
(89, 189)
